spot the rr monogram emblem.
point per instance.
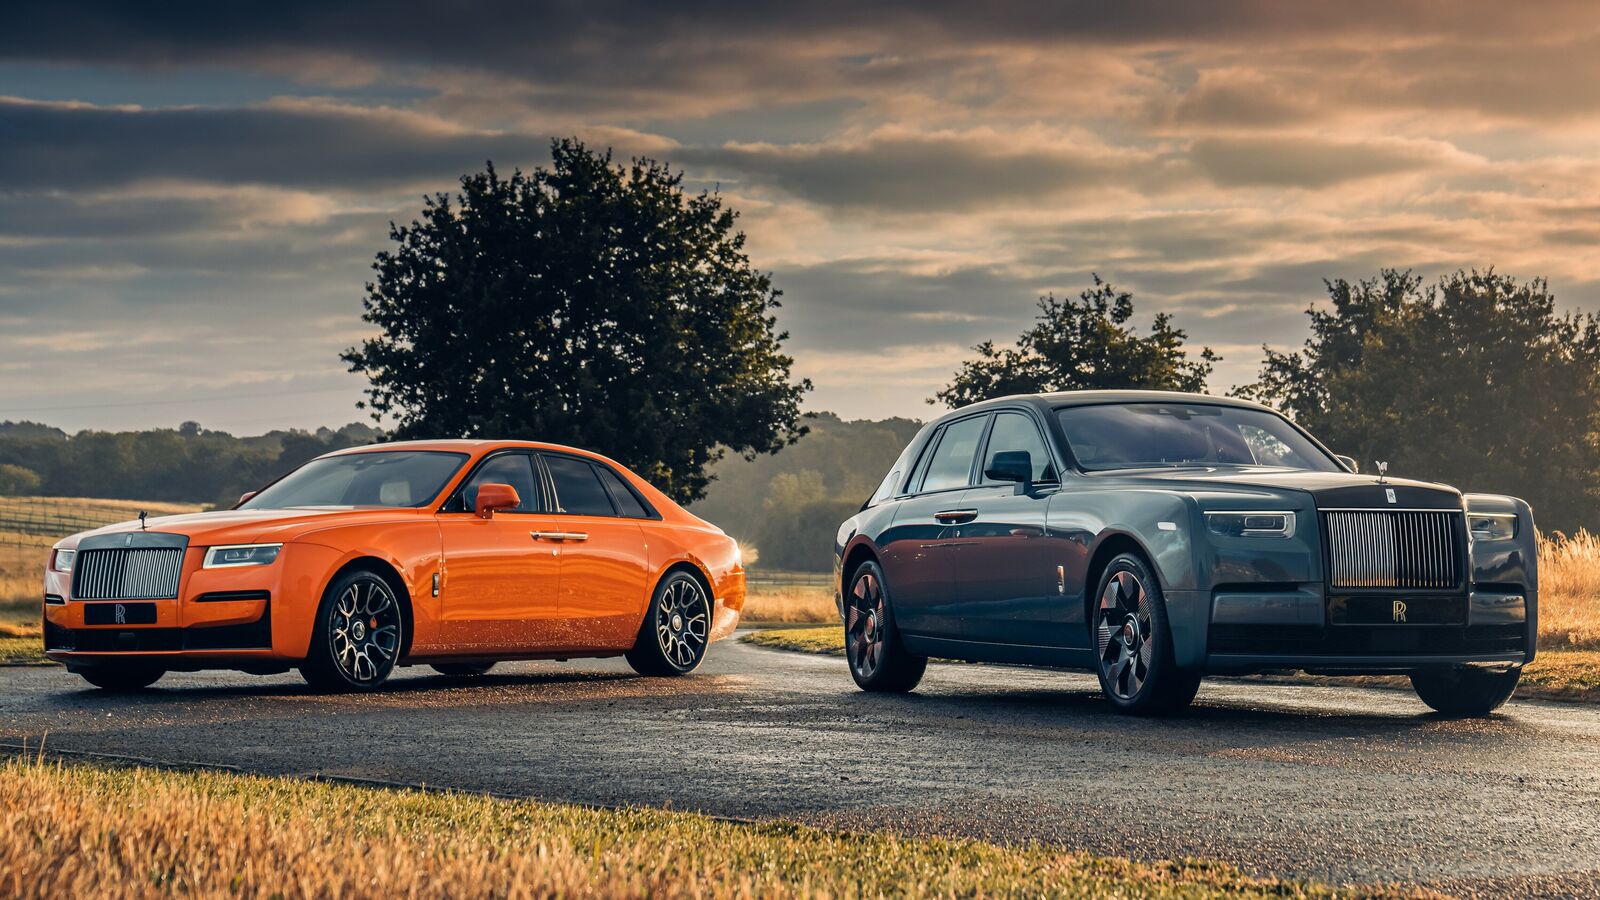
(1399, 610)
(122, 614)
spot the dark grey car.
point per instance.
(1158, 537)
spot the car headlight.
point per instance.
(1251, 524)
(242, 555)
(1492, 526)
(61, 560)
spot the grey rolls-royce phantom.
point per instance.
(1156, 538)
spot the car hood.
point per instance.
(250, 526)
(1330, 490)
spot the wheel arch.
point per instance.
(1109, 547)
(385, 570)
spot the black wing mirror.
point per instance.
(1349, 462)
(1011, 465)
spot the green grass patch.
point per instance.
(829, 640)
(98, 830)
(23, 651)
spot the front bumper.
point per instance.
(254, 617)
(1241, 632)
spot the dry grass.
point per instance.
(789, 604)
(23, 651)
(92, 831)
(1569, 591)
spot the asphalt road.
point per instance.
(1344, 785)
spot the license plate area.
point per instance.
(1393, 610)
(119, 614)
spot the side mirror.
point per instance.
(1349, 462)
(1011, 465)
(246, 496)
(495, 496)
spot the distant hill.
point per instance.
(188, 464)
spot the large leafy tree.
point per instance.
(1082, 344)
(591, 304)
(1474, 381)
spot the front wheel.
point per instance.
(879, 662)
(677, 629)
(356, 639)
(1466, 691)
(122, 678)
(1133, 643)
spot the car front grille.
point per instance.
(1394, 549)
(138, 573)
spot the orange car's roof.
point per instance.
(460, 446)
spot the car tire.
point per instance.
(1465, 691)
(1132, 640)
(676, 630)
(463, 670)
(879, 661)
(357, 635)
(122, 678)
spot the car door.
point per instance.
(605, 566)
(915, 550)
(1009, 570)
(499, 589)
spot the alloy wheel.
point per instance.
(864, 625)
(682, 622)
(365, 631)
(1125, 635)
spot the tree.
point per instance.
(1474, 381)
(18, 481)
(1078, 345)
(590, 304)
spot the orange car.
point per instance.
(453, 554)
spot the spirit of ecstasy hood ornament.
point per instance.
(142, 515)
(1383, 469)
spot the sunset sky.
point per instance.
(191, 196)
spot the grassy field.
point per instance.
(90, 831)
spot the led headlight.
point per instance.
(242, 555)
(1492, 526)
(1251, 524)
(61, 560)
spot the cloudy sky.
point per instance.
(191, 196)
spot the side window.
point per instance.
(515, 469)
(627, 501)
(950, 465)
(578, 490)
(1015, 432)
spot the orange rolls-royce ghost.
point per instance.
(454, 554)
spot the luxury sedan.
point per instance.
(454, 554)
(1155, 538)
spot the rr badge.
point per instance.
(122, 614)
(1399, 610)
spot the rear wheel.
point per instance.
(463, 670)
(1133, 643)
(122, 678)
(879, 662)
(1466, 691)
(356, 639)
(677, 629)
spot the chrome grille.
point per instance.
(139, 573)
(1392, 549)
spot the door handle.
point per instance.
(559, 535)
(955, 516)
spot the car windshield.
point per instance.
(378, 478)
(1157, 435)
